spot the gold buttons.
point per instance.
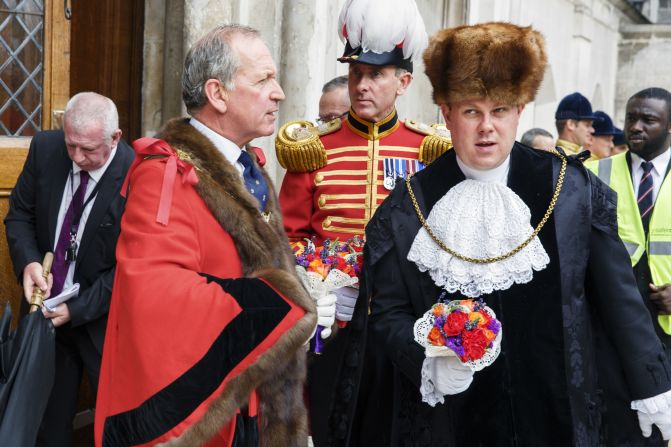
(327, 223)
(319, 178)
(321, 201)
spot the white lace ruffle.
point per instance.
(654, 404)
(479, 220)
(428, 390)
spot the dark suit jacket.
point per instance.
(31, 224)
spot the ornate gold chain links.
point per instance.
(441, 244)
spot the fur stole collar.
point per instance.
(264, 250)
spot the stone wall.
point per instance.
(644, 55)
(302, 37)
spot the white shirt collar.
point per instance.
(498, 175)
(660, 162)
(227, 148)
(96, 174)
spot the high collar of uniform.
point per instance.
(571, 148)
(373, 131)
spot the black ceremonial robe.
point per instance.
(543, 389)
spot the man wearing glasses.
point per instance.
(334, 102)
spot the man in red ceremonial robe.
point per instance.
(206, 333)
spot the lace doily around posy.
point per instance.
(478, 220)
(425, 323)
(317, 286)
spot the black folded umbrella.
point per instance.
(26, 376)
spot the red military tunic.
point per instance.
(363, 160)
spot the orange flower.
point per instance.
(489, 334)
(467, 303)
(322, 269)
(438, 310)
(476, 316)
(435, 338)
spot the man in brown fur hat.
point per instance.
(208, 321)
(530, 234)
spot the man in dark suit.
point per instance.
(640, 179)
(67, 200)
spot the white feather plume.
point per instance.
(380, 25)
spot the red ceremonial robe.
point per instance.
(206, 312)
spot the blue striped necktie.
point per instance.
(645, 202)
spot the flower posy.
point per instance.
(344, 256)
(467, 327)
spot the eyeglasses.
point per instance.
(331, 117)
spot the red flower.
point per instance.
(475, 343)
(341, 264)
(455, 323)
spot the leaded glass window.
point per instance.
(21, 66)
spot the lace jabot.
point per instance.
(479, 220)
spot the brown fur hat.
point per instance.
(501, 61)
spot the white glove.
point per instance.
(450, 376)
(345, 302)
(654, 410)
(326, 313)
(661, 420)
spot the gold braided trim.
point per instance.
(541, 224)
(299, 148)
(432, 147)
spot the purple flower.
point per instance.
(454, 343)
(471, 324)
(494, 326)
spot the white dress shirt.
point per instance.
(660, 164)
(71, 186)
(228, 149)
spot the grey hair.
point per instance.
(337, 82)
(211, 57)
(88, 110)
(400, 72)
(528, 136)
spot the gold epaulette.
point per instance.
(299, 148)
(436, 142)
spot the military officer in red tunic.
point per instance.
(351, 165)
(340, 172)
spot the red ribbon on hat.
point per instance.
(152, 146)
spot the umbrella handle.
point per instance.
(38, 295)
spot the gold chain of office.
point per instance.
(441, 244)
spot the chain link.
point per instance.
(548, 212)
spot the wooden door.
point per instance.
(106, 56)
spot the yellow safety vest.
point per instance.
(614, 171)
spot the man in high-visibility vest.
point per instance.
(640, 178)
